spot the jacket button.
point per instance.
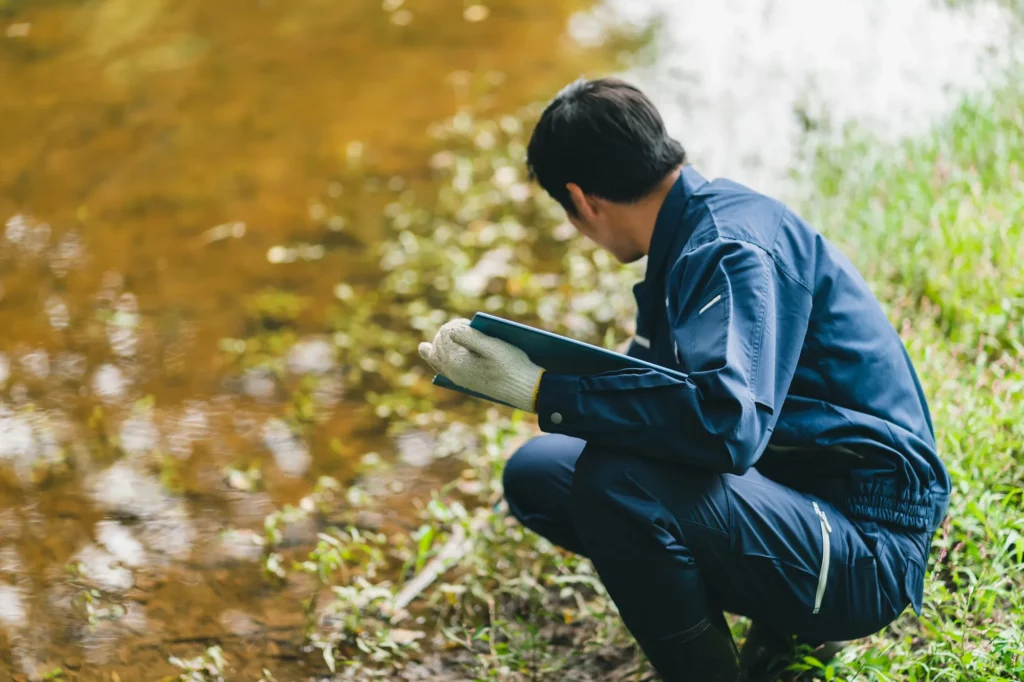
(556, 418)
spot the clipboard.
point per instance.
(553, 352)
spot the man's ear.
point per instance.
(584, 206)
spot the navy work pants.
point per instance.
(673, 544)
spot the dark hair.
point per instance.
(605, 136)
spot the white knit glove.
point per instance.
(483, 364)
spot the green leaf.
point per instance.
(427, 533)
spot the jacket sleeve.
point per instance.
(738, 324)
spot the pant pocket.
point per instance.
(784, 595)
(900, 575)
(913, 584)
(867, 600)
(856, 601)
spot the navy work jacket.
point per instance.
(791, 364)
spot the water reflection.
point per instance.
(121, 327)
(290, 454)
(13, 614)
(139, 435)
(124, 491)
(311, 356)
(171, 534)
(102, 570)
(241, 545)
(119, 541)
(27, 440)
(70, 367)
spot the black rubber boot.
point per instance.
(766, 654)
(704, 653)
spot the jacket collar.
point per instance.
(669, 229)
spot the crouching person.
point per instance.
(792, 477)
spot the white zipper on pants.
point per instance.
(826, 549)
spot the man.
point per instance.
(791, 478)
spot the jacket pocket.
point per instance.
(705, 334)
(713, 301)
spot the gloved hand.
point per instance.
(484, 364)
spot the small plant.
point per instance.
(207, 667)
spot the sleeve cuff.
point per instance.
(557, 401)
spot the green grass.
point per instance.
(940, 218)
(937, 226)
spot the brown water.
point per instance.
(158, 162)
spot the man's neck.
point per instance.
(643, 215)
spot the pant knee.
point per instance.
(597, 477)
(523, 468)
(603, 493)
(610, 489)
(539, 469)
